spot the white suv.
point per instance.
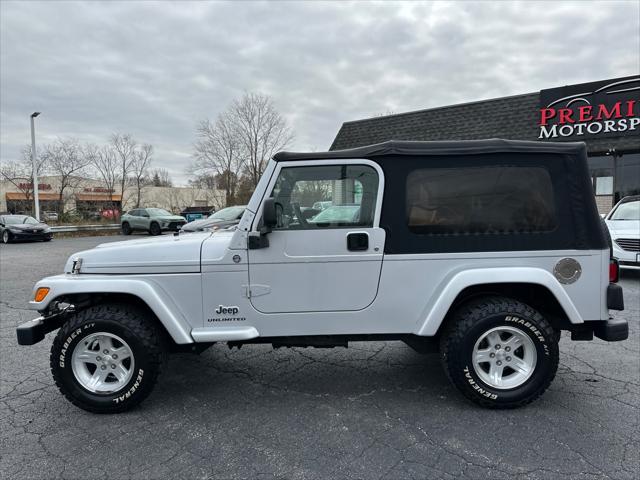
(481, 250)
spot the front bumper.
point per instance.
(172, 226)
(17, 236)
(33, 331)
(626, 257)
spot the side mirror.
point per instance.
(269, 217)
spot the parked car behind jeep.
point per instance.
(152, 220)
(623, 222)
(23, 227)
(221, 219)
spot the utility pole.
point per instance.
(34, 168)
(615, 156)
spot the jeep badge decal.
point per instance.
(233, 310)
(229, 313)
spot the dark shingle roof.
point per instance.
(514, 117)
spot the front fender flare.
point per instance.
(431, 319)
(150, 292)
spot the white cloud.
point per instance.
(154, 69)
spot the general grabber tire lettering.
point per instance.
(115, 338)
(499, 352)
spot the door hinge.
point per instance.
(255, 290)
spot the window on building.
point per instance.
(480, 200)
(628, 175)
(328, 196)
(604, 185)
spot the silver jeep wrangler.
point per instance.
(483, 250)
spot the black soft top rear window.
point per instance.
(488, 202)
(480, 200)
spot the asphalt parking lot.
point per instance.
(374, 410)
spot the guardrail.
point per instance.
(85, 228)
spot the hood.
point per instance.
(165, 254)
(170, 218)
(624, 228)
(28, 226)
(198, 225)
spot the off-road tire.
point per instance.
(469, 322)
(126, 228)
(154, 229)
(146, 339)
(6, 237)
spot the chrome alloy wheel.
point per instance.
(102, 363)
(504, 357)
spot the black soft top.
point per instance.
(458, 147)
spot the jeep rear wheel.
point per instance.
(107, 358)
(499, 352)
(126, 228)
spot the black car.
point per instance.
(23, 227)
(224, 218)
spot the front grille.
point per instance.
(629, 244)
(175, 225)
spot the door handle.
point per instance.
(358, 241)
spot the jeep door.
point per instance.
(320, 260)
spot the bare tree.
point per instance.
(139, 169)
(124, 148)
(218, 152)
(20, 172)
(160, 177)
(205, 181)
(107, 164)
(262, 130)
(65, 159)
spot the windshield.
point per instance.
(15, 220)
(229, 213)
(157, 211)
(627, 211)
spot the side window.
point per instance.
(328, 196)
(133, 213)
(480, 200)
(143, 213)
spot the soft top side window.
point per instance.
(480, 200)
(325, 196)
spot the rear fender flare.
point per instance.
(434, 314)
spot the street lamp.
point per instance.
(34, 168)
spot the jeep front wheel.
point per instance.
(107, 358)
(499, 352)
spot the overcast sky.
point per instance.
(154, 69)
